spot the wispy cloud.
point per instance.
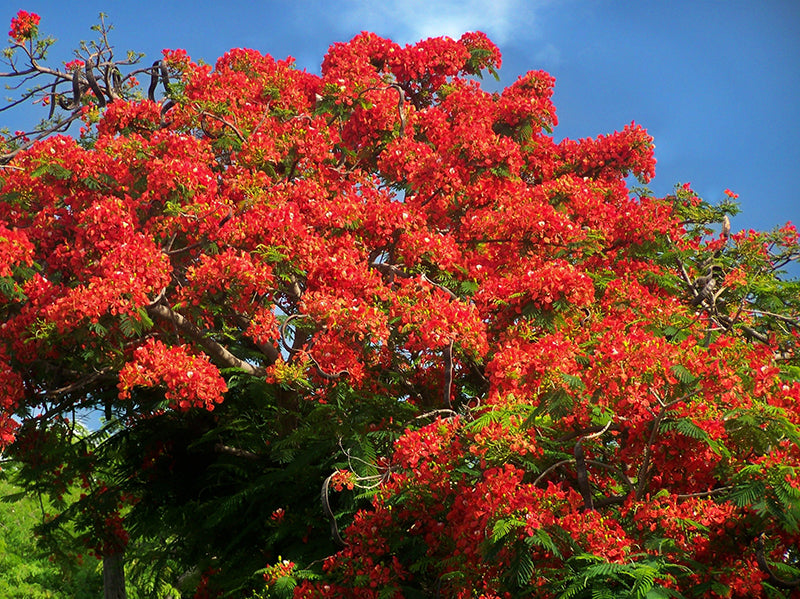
(407, 21)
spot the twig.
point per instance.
(326, 507)
(450, 414)
(448, 373)
(550, 469)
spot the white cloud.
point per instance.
(407, 21)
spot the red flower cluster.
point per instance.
(15, 248)
(24, 26)
(191, 381)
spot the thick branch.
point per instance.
(270, 352)
(764, 566)
(219, 354)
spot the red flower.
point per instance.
(24, 26)
(73, 65)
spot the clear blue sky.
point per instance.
(716, 83)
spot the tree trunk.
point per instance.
(113, 577)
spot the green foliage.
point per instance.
(591, 577)
(768, 492)
(26, 572)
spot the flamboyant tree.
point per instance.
(507, 373)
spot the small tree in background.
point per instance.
(507, 373)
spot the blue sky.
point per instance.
(717, 83)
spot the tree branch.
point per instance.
(326, 507)
(219, 354)
(236, 452)
(270, 352)
(764, 566)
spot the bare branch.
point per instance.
(99, 74)
(450, 414)
(62, 126)
(589, 430)
(78, 384)
(224, 122)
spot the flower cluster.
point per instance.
(278, 570)
(15, 248)
(191, 381)
(24, 26)
(128, 117)
(234, 275)
(621, 153)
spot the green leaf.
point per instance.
(573, 382)
(644, 576)
(502, 527)
(682, 374)
(524, 568)
(284, 587)
(13, 497)
(543, 539)
(747, 494)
